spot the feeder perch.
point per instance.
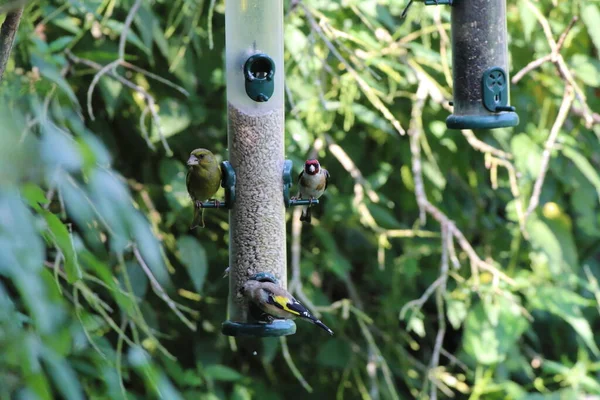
(287, 185)
(255, 99)
(228, 183)
(479, 65)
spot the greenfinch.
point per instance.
(203, 180)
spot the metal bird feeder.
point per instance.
(255, 96)
(479, 65)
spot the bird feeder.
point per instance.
(479, 65)
(255, 97)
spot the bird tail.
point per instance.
(321, 325)
(306, 215)
(198, 217)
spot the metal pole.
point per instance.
(480, 66)
(255, 96)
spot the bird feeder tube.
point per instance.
(255, 97)
(479, 65)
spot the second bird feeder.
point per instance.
(479, 65)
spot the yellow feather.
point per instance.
(283, 301)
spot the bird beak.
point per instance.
(311, 168)
(192, 161)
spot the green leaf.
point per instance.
(489, 343)
(587, 69)
(555, 240)
(59, 149)
(64, 241)
(527, 154)
(456, 311)
(383, 217)
(193, 256)
(591, 15)
(34, 196)
(584, 166)
(52, 73)
(65, 379)
(415, 323)
(132, 38)
(174, 118)
(241, 393)
(566, 305)
(219, 372)
(60, 43)
(528, 19)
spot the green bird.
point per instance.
(202, 181)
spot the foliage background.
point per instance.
(104, 293)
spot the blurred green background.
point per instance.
(104, 293)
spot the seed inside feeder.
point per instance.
(257, 220)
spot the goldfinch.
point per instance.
(202, 181)
(312, 183)
(276, 302)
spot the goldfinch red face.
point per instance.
(312, 167)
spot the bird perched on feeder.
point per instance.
(276, 302)
(202, 181)
(312, 182)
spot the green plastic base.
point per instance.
(501, 120)
(279, 327)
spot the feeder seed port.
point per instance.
(494, 89)
(259, 70)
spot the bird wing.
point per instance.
(290, 305)
(326, 178)
(188, 178)
(300, 176)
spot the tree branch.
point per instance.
(563, 112)
(7, 36)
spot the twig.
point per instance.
(418, 303)
(155, 77)
(361, 186)
(580, 113)
(211, 9)
(416, 126)
(563, 112)
(530, 67)
(7, 36)
(492, 162)
(295, 282)
(553, 56)
(439, 301)
(160, 291)
(364, 86)
(444, 44)
(150, 102)
(425, 207)
(121, 56)
(293, 368)
(559, 61)
(482, 146)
